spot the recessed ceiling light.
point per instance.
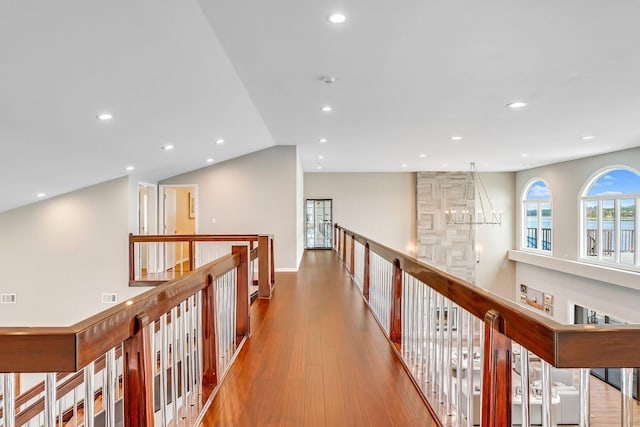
(404, 165)
(167, 147)
(456, 138)
(322, 140)
(517, 104)
(219, 141)
(105, 116)
(587, 137)
(422, 156)
(130, 168)
(210, 160)
(319, 167)
(445, 165)
(524, 155)
(41, 195)
(337, 18)
(326, 108)
(320, 157)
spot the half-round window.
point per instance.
(537, 213)
(610, 218)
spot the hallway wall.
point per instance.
(254, 193)
(59, 255)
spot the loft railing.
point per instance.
(154, 259)
(153, 360)
(479, 359)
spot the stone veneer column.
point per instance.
(443, 244)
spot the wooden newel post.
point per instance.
(273, 262)
(192, 256)
(344, 246)
(496, 378)
(264, 267)
(395, 332)
(132, 258)
(336, 242)
(366, 279)
(209, 335)
(138, 396)
(242, 292)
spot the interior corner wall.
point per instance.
(59, 255)
(251, 194)
(299, 208)
(380, 206)
(565, 181)
(493, 269)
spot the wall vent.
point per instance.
(108, 298)
(7, 298)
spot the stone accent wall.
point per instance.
(441, 243)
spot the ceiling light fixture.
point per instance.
(219, 141)
(475, 207)
(587, 137)
(130, 168)
(456, 138)
(167, 147)
(322, 140)
(210, 160)
(404, 165)
(517, 104)
(320, 157)
(319, 167)
(326, 108)
(524, 155)
(41, 195)
(337, 18)
(105, 116)
(445, 165)
(422, 156)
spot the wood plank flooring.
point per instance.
(316, 357)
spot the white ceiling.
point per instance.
(410, 74)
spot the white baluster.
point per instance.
(470, 370)
(109, 392)
(585, 398)
(546, 394)
(524, 384)
(627, 397)
(89, 388)
(8, 400)
(50, 400)
(164, 352)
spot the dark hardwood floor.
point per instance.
(316, 357)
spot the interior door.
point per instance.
(169, 225)
(319, 223)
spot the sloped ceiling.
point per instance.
(409, 76)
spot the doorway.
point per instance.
(319, 223)
(178, 215)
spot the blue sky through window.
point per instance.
(538, 190)
(619, 181)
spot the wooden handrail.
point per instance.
(69, 349)
(563, 346)
(161, 238)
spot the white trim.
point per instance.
(616, 276)
(286, 270)
(300, 260)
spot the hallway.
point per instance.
(316, 357)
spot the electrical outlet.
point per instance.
(109, 298)
(8, 298)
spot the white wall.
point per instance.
(60, 254)
(300, 226)
(493, 270)
(255, 193)
(380, 206)
(566, 181)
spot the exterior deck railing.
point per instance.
(479, 359)
(154, 259)
(153, 360)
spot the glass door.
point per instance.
(319, 224)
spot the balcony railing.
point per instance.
(627, 242)
(155, 359)
(532, 238)
(479, 359)
(154, 259)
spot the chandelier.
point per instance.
(465, 210)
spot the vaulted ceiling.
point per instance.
(409, 76)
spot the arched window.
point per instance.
(536, 208)
(610, 218)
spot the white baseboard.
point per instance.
(286, 270)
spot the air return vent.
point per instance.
(108, 298)
(7, 298)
